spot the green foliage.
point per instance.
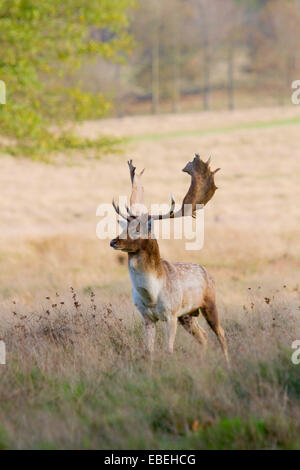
(136, 412)
(42, 44)
(46, 144)
(233, 433)
(5, 441)
(283, 373)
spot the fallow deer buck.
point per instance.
(172, 292)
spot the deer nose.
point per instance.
(113, 242)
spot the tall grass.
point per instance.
(77, 377)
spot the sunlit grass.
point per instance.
(216, 130)
(79, 378)
(77, 381)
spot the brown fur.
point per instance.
(210, 313)
(189, 322)
(148, 256)
(172, 292)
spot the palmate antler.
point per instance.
(201, 190)
(202, 186)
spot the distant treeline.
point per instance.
(196, 48)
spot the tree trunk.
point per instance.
(175, 66)
(231, 104)
(155, 69)
(119, 93)
(206, 71)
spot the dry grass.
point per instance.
(76, 376)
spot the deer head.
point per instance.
(138, 228)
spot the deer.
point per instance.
(161, 290)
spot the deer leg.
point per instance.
(171, 333)
(210, 313)
(150, 330)
(191, 325)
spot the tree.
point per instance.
(209, 20)
(161, 35)
(232, 35)
(42, 42)
(146, 30)
(276, 44)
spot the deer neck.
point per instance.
(147, 259)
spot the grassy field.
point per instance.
(76, 375)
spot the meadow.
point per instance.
(76, 374)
